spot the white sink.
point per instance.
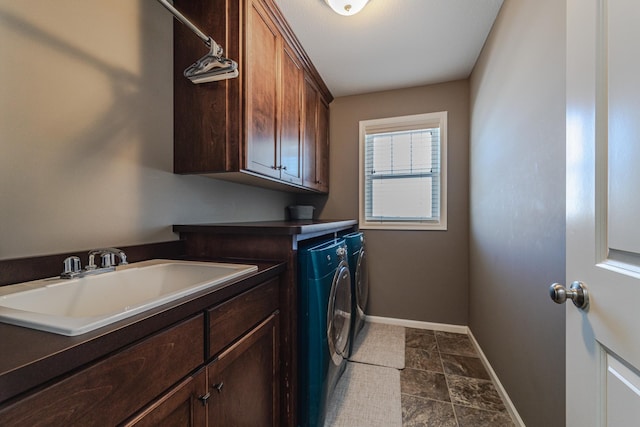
(76, 306)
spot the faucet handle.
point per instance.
(113, 252)
(121, 255)
(108, 260)
(92, 263)
(71, 266)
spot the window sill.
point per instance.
(416, 226)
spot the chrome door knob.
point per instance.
(577, 293)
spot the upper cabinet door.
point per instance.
(262, 60)
(290, 118)
(315, 138)
(322, 147)
(310, 115)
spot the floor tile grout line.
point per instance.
(424, 370)
(480, 409)
(472, 378)
(424, 398)
(446, 380)
(458, 354)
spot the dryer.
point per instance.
(324, 326)
(357, 258)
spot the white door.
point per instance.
(603, 211)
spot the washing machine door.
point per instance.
(339, 314)
(362, 282)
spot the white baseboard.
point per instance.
(515, 416)
(459, 329)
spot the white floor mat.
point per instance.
(380, 344)
(366, 396)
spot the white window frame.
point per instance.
(411, 122)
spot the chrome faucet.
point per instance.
(72, 267)
(107, 256)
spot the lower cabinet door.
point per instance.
(184, 405)
(243, 380)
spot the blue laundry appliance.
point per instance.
(324, 326)
(357, 258)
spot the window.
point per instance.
(403, 176)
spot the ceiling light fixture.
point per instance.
(347, 7)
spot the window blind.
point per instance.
(402, 175)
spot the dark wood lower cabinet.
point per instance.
(108, 392)
(166, 379)
(238, 388)
(243, 380)
(184, 405)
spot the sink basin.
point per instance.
(76, 306)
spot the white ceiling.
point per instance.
(392, 44)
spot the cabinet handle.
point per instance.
(204, 399)
(218, 386)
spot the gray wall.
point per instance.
(517, 234)
(417, 275)
(86, 159)
(86, 132)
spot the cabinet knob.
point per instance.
(204, 398)
(218, 386)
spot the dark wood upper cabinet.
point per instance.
(322, 147)
(264, 43)
(315, 138)
(251, 129)
(291, 118)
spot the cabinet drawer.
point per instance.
(109, 391)
(233, 318)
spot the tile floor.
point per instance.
(444, 383)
